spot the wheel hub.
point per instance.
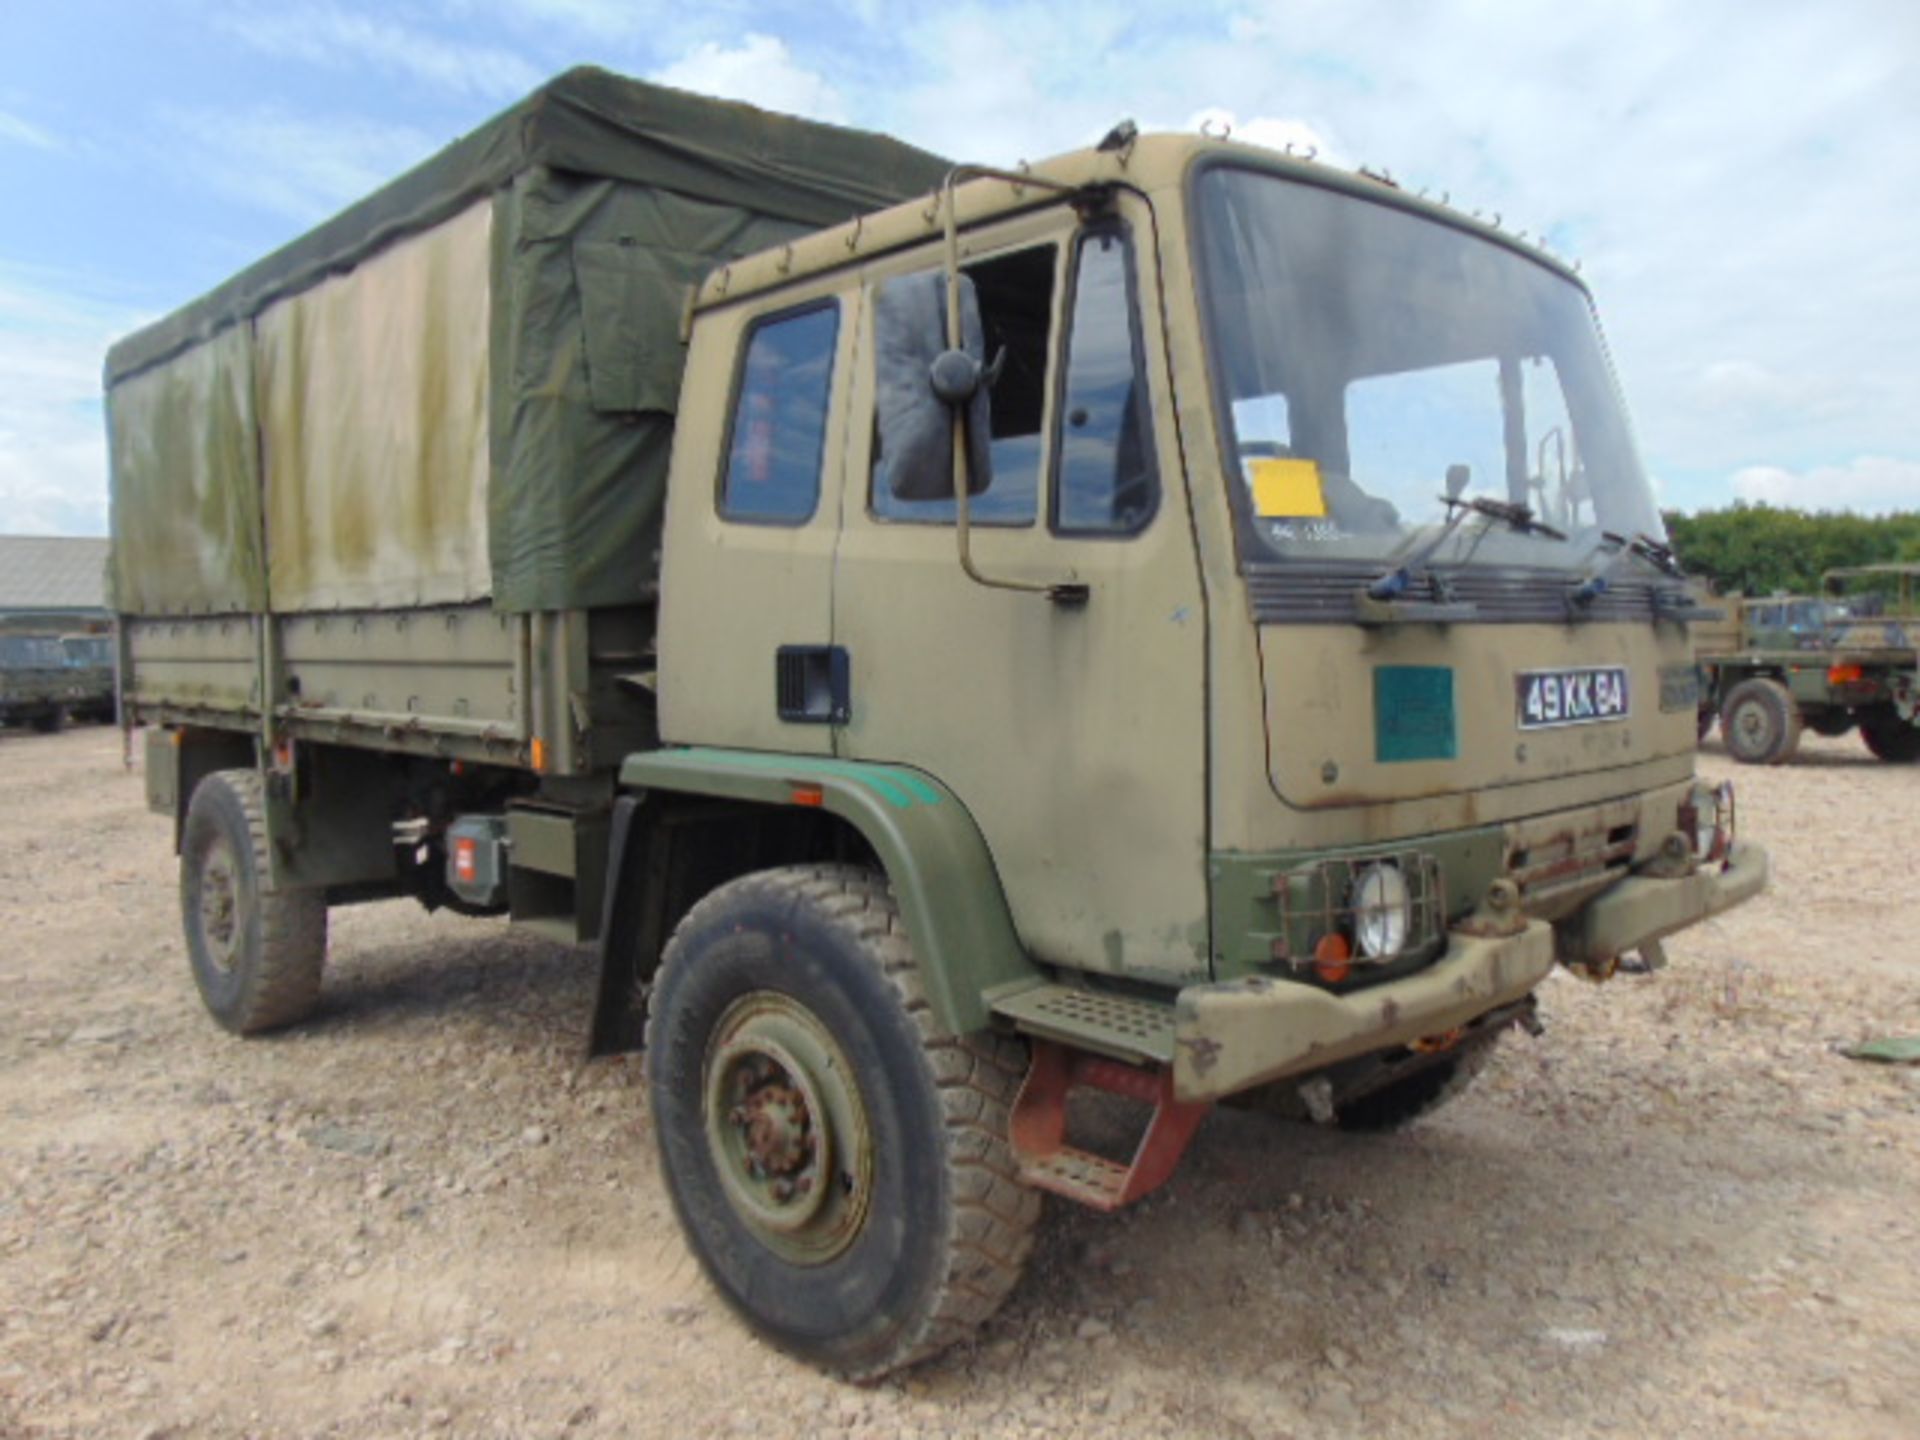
(220, 907)
(1756, 726)
(786, 1128)
(779, 1135)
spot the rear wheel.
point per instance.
(1889, 737)
(840, 1169)
(1760, 722)
(256, 952)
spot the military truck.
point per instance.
(1830, 663)
(1177, 620)
(89, 659)
(46, 678)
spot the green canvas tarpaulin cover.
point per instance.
(463, 386)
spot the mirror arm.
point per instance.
(963, 509)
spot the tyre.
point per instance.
(1760, 723)
(1393, 1105)
(1397, 1104)
(842, 1174)
(1889, 737)
(51, 722)
(256, 952)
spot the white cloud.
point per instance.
(760, 70)
(301, 167)
(1870, 484)
(1745, 218)
(1746, 392)
(345, 40)
(25, 132)
(53, 451)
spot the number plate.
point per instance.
(1548, 698)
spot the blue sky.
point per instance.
(1741, 178)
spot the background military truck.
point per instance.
(1828, 663)
(47, 678)
(1009, 643)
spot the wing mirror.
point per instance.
(920, 383)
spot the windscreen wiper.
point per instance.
(1661, 557)
(1381, 600)
(1393, 584)
(1668, 603)
(1519, 516)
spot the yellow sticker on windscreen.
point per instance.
(1286, 489)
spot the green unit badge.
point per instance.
(1413, 716)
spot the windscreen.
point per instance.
(31, 652)
(1375, 363)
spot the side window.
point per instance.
(779, 427)
(1016, 309)
(1106, 483)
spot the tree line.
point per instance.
(1762, 549)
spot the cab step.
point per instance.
(1038, 1127)
(1122, 1027)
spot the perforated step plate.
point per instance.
(1122, 1026)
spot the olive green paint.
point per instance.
(1246, 892)
(933, 854)
(186, 485)
(510, 437)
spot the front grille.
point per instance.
(1571, 860)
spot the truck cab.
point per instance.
(1285, 618)
(1832, 663)
(1328, 600)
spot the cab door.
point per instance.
(746, 622)
(1073, 732)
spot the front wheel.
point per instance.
(841, 1171)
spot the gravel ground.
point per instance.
(1678, 1212)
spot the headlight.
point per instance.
(1382, 911)
(1706, 819)
(1700, 822)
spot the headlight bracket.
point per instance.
(1318, 899)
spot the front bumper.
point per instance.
(1238, 1034)
(1641, 909)
(1233, 1036)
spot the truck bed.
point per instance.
(460, 681)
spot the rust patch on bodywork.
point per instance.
(1205, 1052)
